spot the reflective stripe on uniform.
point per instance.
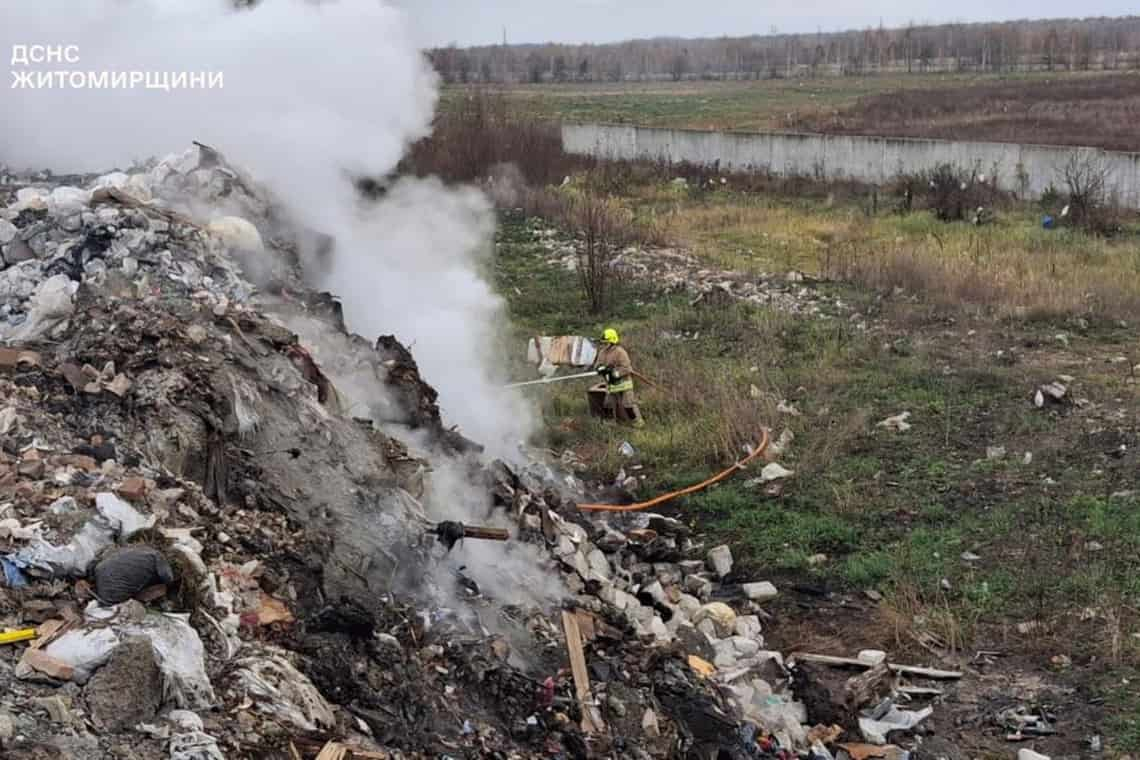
(621, 386)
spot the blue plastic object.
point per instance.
(13, 575)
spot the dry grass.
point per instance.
(1008, 269)
(1099, 111)
(995, 275)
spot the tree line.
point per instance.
(1090, 44)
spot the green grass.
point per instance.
(752, 105)
(892, 511)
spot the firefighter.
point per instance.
(614, 366)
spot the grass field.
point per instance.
(762, 104)
(1010, 268)
(1081, 108)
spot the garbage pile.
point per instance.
(212, 548)
(678, 270)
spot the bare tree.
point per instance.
(1086, 175)
(679, 66)
(604, 229)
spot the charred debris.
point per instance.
(210, 550)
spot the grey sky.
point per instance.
(479, 22)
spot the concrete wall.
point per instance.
(868, 159)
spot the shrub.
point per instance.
(1086, 175)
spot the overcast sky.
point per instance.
(481, 22)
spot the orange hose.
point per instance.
(684, 491)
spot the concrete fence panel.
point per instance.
(1029, 169)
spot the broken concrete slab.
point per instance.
(128, 689)
(720, 560)
(748, 626)
(762, 591)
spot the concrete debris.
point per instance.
(1028, 754)
(36, 661)
(722, 616)
(760, 592)
(994, 453)
(898, 423)
(720, 560)
(128, 689)
(872, 656)
(680, 271)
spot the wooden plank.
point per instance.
(586, 625)
(851, 662)
(590, 723)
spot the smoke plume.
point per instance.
(312, 94)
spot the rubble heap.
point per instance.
(223, 556)
(677, 270)
(214, 543)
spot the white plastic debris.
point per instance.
(86, 650)
(897, 423)
(51, 304)
(9, 420)
(122, 517)
(237, 234)
(775, 471)
(42, 558)
(782, 444)
(195, 745)
(246, 399)
(187, 720)
(281, 691)
(67, 200)
(117, 180)
(875, 730)
(30, 198)
(786, 407)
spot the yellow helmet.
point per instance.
(610, 336)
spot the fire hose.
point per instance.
(563, 378)
(760, 449)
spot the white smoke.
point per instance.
(311, 93)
